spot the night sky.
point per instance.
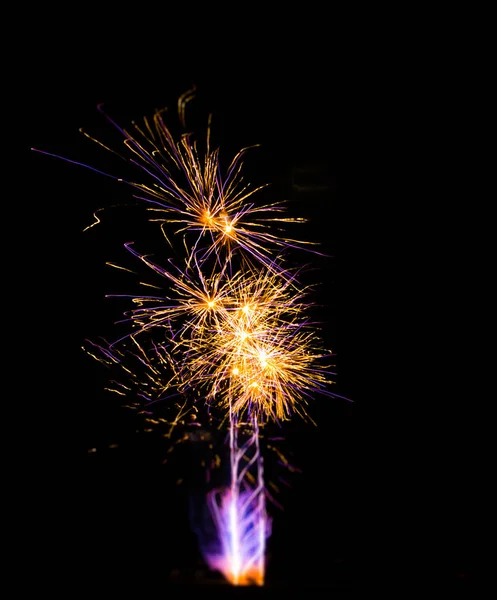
(368, 505)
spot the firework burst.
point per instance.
(243, 339)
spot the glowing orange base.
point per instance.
(251, 577)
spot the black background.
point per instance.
(384, 491)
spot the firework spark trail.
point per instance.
(233, 328)
(239, 514)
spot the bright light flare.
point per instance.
(239, 515)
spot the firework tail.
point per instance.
(238, 512)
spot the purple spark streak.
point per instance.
(239, 514)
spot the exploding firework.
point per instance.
(242, 339)
(228, 328)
